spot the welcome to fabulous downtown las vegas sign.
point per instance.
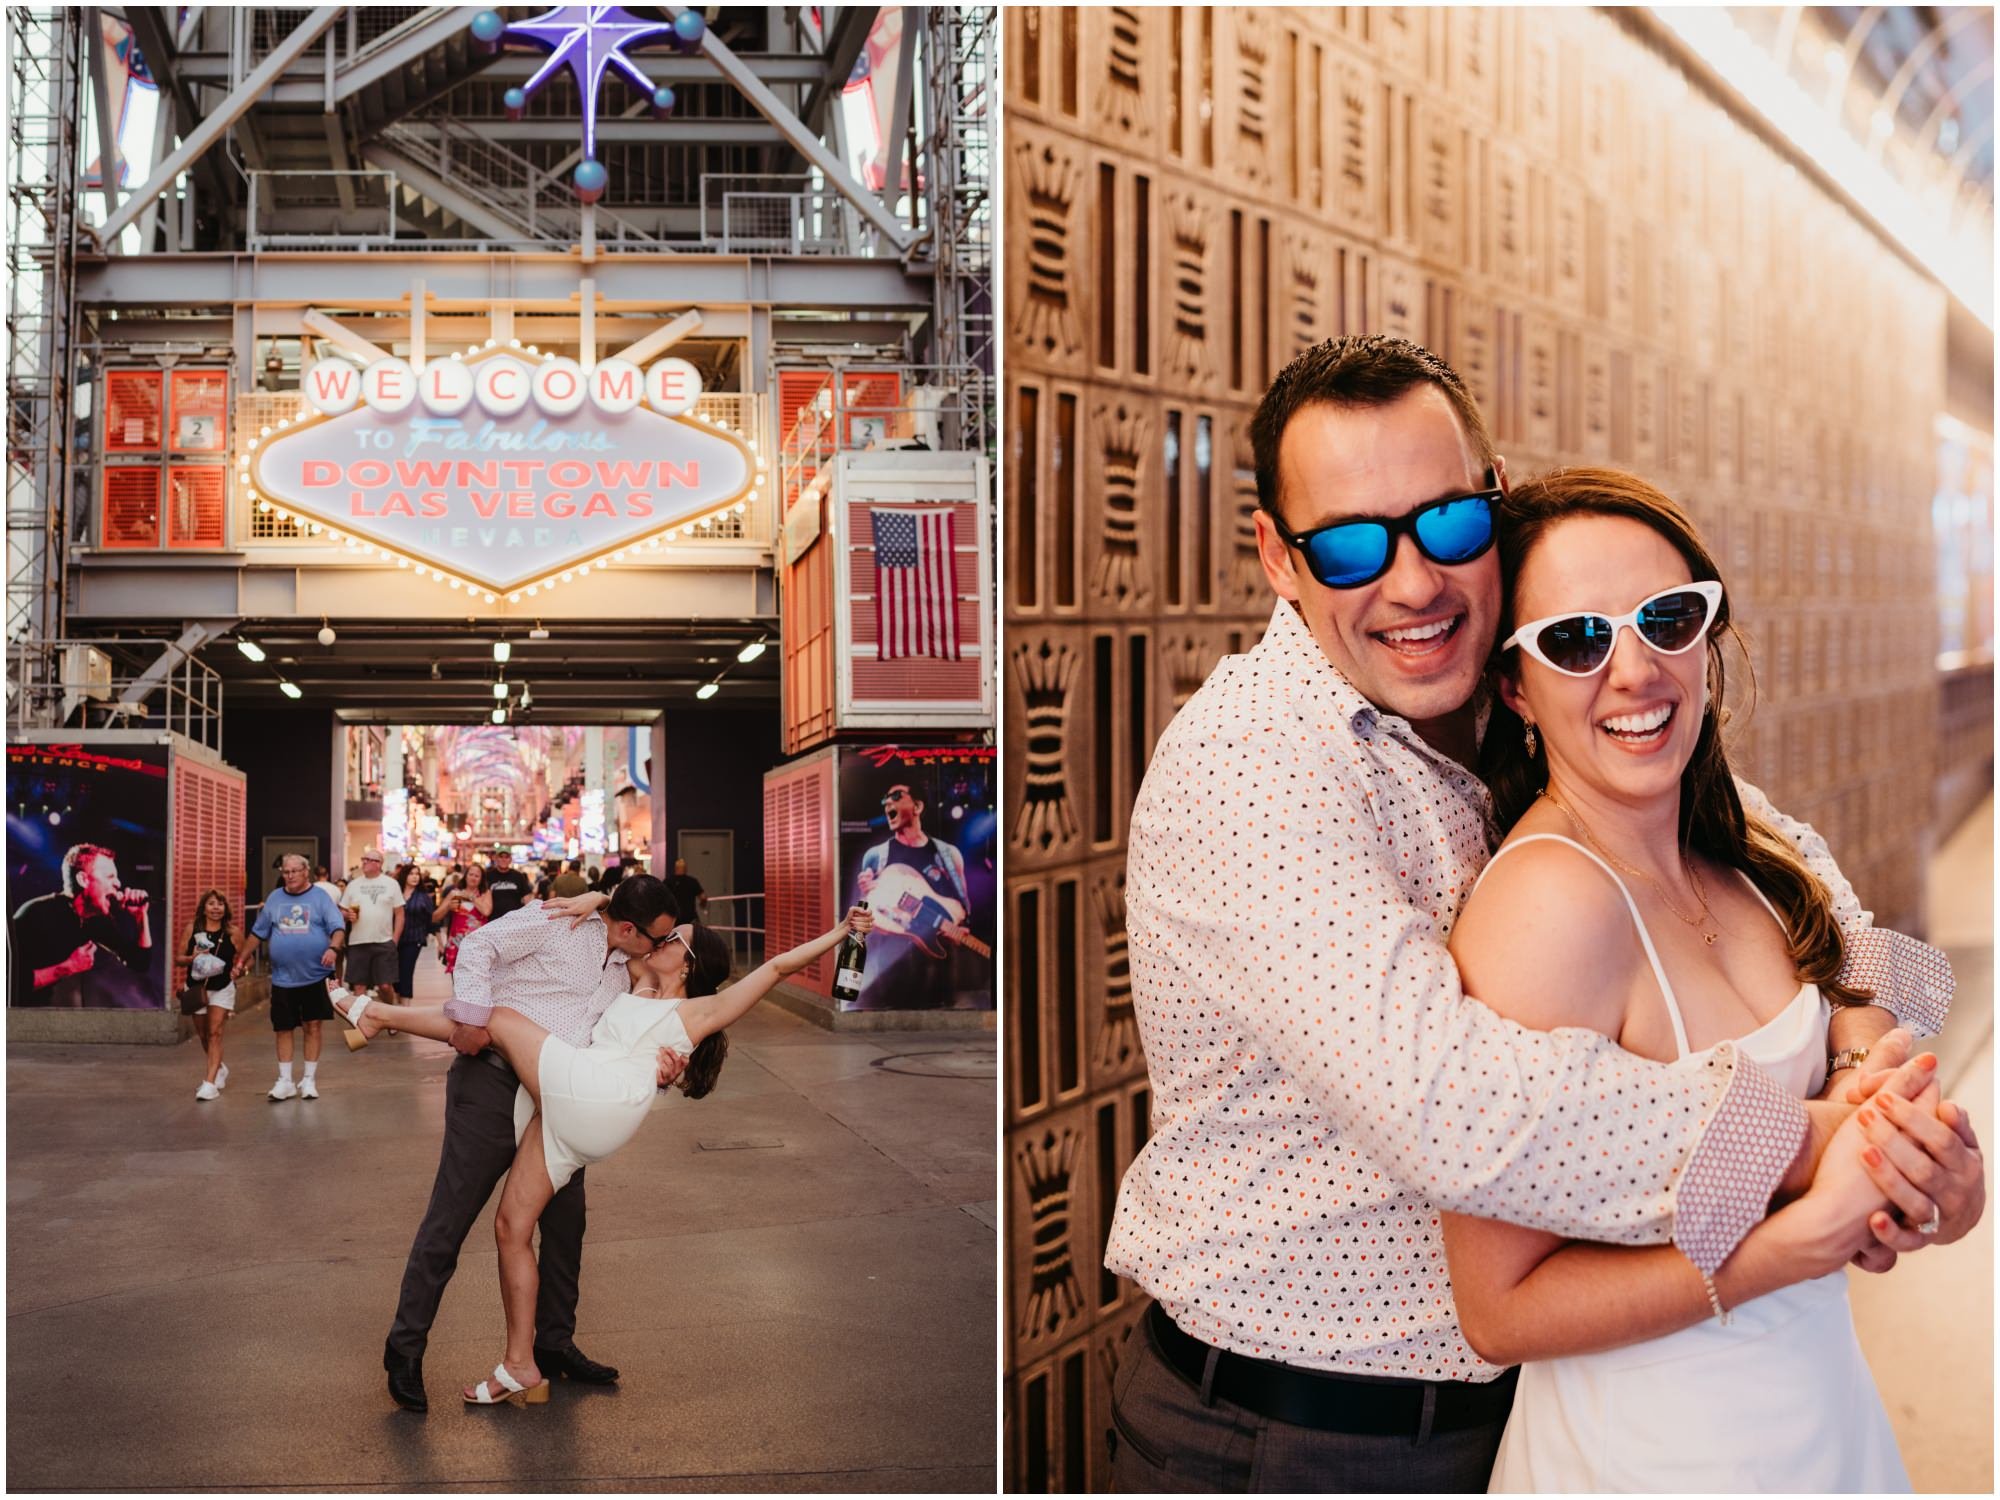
(499, 471)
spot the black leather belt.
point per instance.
(494, 1058)
(1381, 1405)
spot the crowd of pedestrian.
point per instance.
(368, 933)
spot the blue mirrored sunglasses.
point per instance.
(1348, 554)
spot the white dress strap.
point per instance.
(1645, 937)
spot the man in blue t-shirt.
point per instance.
(304, 929)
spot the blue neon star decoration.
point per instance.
(589, 40)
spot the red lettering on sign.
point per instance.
(470, 474)
(599, 504)
(616, 385)
(368, 474)
(559, 505)
(618, 472)
(434, 505)
(398, 504)
(521, 505)
(488, 505)
(670, 475)
(331, 381)
(320, 473)
(437, 473)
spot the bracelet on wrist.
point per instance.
(1846, 1057)
(1722, 1315)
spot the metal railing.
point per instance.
(369, 200)
(933, 408)
(773, 213)
(745, 927)
(66, 688)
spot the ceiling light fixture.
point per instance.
(708, 690)
(499, 689)
(289, 689)
(539, 633)
(502, 651)
(251, 649)
(326, 635)
(752, 651)
(499, 716)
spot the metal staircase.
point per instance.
(462, 186)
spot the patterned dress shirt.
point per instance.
(1321, 1085)
(559, 977)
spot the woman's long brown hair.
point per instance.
(200, 917)
(1712, 819)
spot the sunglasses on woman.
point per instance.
(1672, 621)
(1348, 554)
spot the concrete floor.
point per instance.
(1927, 1326)
(796, 1275)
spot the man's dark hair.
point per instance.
(642, 900)
(1359, 370)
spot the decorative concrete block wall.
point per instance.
(1622, 272)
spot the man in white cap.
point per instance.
(373, 903)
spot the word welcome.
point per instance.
(502, 385)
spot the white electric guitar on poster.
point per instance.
(904, 903)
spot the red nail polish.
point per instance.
(1865, 1117)
(1872, 1156)
(1928, 1062)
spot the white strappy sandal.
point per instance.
(356, 1038)
(504, 1387)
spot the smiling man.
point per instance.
(1308, 828)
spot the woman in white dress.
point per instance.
(1633, 897)
(577, 1105)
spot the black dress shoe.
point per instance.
(572, 1362)
(406, 1381)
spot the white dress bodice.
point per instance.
(1778, 1399)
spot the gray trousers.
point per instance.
(478, 1150)
(1164, 1437)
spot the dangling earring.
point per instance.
(1532, 740)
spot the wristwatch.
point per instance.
(1847, 1057)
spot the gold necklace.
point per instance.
(1694, 877)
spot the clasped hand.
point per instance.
(1904, 1149)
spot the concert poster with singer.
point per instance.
(919, 844)
(87, 876)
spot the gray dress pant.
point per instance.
(478, 1150)
(1165, 1438)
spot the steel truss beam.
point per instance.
(150, 30)
(381, 282)
(210, 130)
(809, 145)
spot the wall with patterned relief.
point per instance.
(1621, 272)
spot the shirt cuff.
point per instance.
(466, 1013)
(1736, 1166)
(1911, 979)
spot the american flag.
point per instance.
(915, 585)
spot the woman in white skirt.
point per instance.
(577, 1105)
(210, 951)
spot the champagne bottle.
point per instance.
(848, 963)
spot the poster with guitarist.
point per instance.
(930, 949)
